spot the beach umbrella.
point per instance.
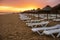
(38, 11)
(47, 10)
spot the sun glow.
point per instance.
(13, 9)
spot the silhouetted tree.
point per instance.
(38, 9)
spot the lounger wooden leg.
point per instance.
(46, 25)
(35, 25)
(39, 33)
(52, 35)
(42, 25)
(58, 35)
(32, 26)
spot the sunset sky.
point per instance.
(21, 5)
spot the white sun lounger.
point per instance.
(56, 19)
(43, 24)
(31, 21)
(51, 32)
(44, 28)
(34, 21)
(25, 18)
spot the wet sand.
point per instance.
(12, 28)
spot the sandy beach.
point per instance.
(12, 28)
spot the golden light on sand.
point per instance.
(13, 9)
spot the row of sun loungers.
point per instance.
(43, 26)
(24, 17)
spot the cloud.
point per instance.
(23, 3)
(1, 0)
(52, 2)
